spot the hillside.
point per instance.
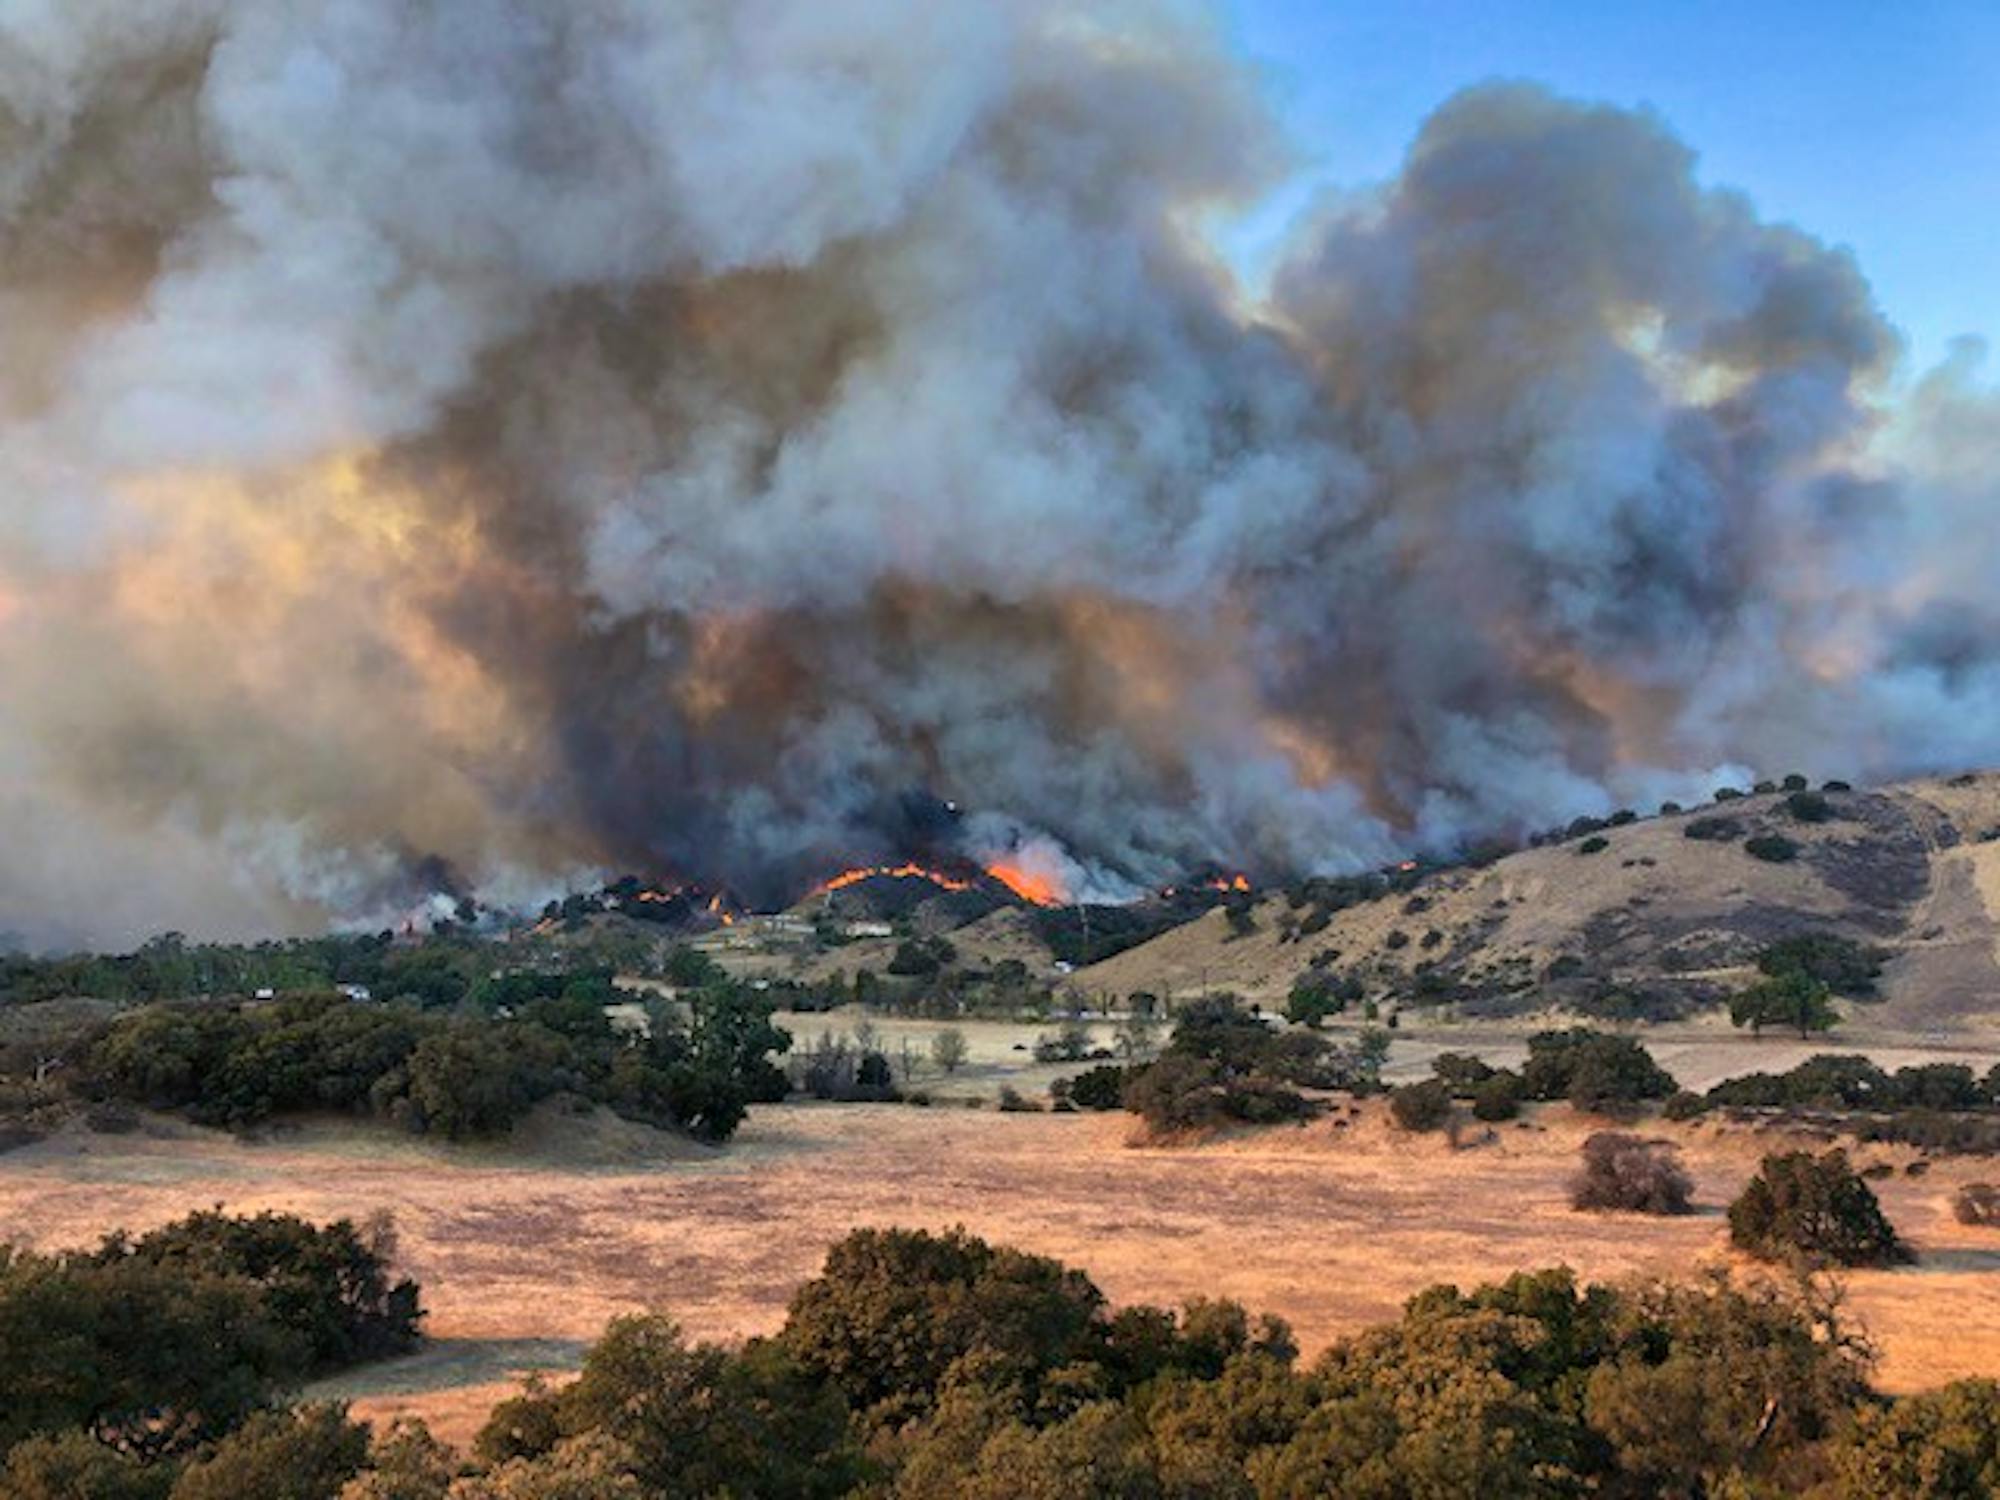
(1655, 920)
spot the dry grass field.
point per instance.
(525, 1251)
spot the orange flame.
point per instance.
(1228, 883)
(846, 878)
(1038, 889)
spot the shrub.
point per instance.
(1595, 844)
(1825, 1081)
(1712, 830)
(1421, 1106)
(1772, 848)
(1013, 1102)
(1815, 1209)
(1318, 995)
(1497, 1097)
(948, 1049)
(1936, 1086)
(1593, 1070)
(1808, 807)
(1977, 1204)
(1072, 1042)
(1178, 1093)
(1102, 1087)
(1460, 1072)
(1684, 1104)
(1622, 1172)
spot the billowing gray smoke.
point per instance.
(562, 437)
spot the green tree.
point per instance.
(1938, 1445)
(702, 1420)
(329, 1285)
(151, 1359)
(893, 1310)
(1792, 999)
(405, 1463)
(304, 1454)
(76, 1466)
(1814, 1208)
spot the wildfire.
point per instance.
(1038, 889)
(1228, 883)
(846, 878)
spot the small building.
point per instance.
(868, 930)
(356, 992)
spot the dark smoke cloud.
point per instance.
(562, 438)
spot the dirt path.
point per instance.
(1331, 1225)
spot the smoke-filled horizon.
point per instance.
(532, 440)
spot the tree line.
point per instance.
(697, 1063)
(938, 1366)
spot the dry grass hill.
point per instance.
(1651, 912)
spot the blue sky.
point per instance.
(1873, 124)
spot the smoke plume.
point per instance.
(531, 439)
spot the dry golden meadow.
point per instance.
(526, 1249)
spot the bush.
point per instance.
(1685, 1104)
(1592, 1070)
(1936, 1086)
(1100, 1088)
(1460, 1072)
(1808, 807)
(1825, 1081)
(1930, 1130)
(1624, 1173)
(1712, 830)
(1977, 1204)
(1595, 844)
(1072, 1042)
(1318, 995)
(948, 1049)
(1178, 1094)
(1772, 848)
(1497, 1097)
(1813, 1208)
(1421, 1106)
